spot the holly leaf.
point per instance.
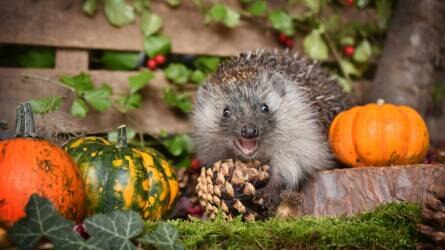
(163, 237)
(173, 3)
(348, 68)
(197, 77)
(257, 8)
(120, 60)
(42, 220)
(157, 44)
(220, 13)
(363, 52)
(178, 73)
(207, 64)
(79, 108)
(37, 57)
(99, 98)
(90, 7)
(281, 21)
(150, 23)
(315, 47)
(118, 12)
(117, 228)
(80, 83)
(140, 80)
(46, 105)
(130, 102)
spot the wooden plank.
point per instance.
(354, 190)
(63, 24)
(71, 59)
(153, 116)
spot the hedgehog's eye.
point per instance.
(264, 108)
(226, 112)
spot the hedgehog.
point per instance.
(272, 106)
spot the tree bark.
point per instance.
(406, 71)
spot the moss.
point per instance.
(390, 226)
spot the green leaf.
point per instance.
(198, 77)
(348, 68)
(207, 64)
(257, 8)
(46, 105)
(79, 108)
(383, 9)
(37, 57)
(118, 12)
(178, 73)
(80, 83)
(90, 7)
(179, 144)
(313, 5)
(42, 220)
(173, 3)
(245, 1)
(281, 21)
(182, 101)
(363, 52)
(344, 83)
(220, 13)
(347, 40)
(150, 23)
(155, 45)
(112, 136)
(164, 237)
(140, 80)
(315, 47)
(116, 228)
(362, 3)
(130, 102)
(120, 60)
(140, 5)
(333, 23)
(99, 98)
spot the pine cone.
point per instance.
(433, 220)
(229, 188)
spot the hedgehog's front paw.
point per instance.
(270, 195)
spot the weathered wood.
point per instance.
(71, 59)
(153, 116)
(63, 24)
(349, 191)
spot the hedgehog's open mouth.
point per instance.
(247, 146)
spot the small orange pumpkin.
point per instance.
(31, 165)
(379, 135)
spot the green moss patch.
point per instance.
(390, 226)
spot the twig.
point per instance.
(336, 55)
(42, 78)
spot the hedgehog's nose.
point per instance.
(249, 132)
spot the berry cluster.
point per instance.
(286, 40)
(156, 61)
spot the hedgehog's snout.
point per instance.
(250, 131)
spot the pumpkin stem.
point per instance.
(24, 121)
(380, 102)
(122, 136)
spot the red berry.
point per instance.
(160, 59)
(282, 38)
(196, 164)
(348, 50)
(289, 43)
(151, 64)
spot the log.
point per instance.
(349, 191)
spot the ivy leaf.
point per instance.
(220, 13)
(79, 108)
(119, 13)
(158, 44)
(46, 105)
(37, 57)
(80, 83)
(281, 21)
(140, 80)
(348, 68)
(178, 73)
(173, 3)
(363, 52)
(207, 64)
(150, 23)
(117, 228)
(198, 77)
(130, 102)
(112, 136)
(257, 8)
(120, 60)
(314, 46)
(99, 98)
(164, 237)
(90, 7)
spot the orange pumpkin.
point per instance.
(31, 165)
(379, 135)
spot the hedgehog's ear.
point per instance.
(278, 82)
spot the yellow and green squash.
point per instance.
(119, 176)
